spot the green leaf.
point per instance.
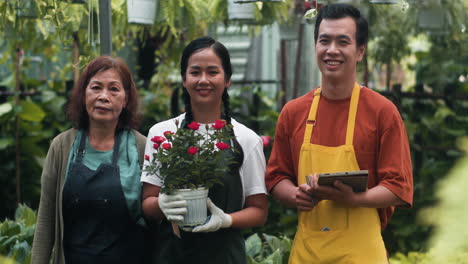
(253, 245)
(31, 111)
(6, 142)
(43, 28)
(6, 260)
(8, 81)
(25, 214)
(274, 258)
(251, 260)
(5, 108)
(20, 251)
(9, 228)
(273, 242)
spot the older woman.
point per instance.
(90, 207)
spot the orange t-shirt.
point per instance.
(380, 142)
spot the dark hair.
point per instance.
(337, 11)
(76, 107)
(223, 54)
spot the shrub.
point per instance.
(16, 237)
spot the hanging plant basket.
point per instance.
(431, 18)
(242, 12)
(141, 11)
(251, 1)
(27, 9)
(386, 2)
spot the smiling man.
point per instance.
(340, 126)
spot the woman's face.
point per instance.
(105, 98)
(205, 79)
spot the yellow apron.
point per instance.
(332, 232)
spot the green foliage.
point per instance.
(40, 119)
(428, 258)
(268, 249)
(450, 216)
(255, 109)
(390, 28)
(16, 237)
(446, 59)
(433, 127)
(189, 159)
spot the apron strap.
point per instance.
(115, 154)
(312, 118)
(81, 148)
(352, 114)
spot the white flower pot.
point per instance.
(196, 206)
(141, 11)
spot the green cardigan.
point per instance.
(48, 235)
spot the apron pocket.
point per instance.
(324, 247)
(325, 217)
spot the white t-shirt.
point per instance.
(252, 171)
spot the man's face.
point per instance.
(336, 49)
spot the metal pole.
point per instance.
(284, 75)
(105, 26)
(297, 68)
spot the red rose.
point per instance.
(193, 125)
(192, 150)
(265, 140)
(222, 145)
(155, 145)
(219, 124)
(146, 157)
(158, 139)
(168, 133)
(166, 146)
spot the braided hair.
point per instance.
(223, 54)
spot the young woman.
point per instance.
(90, 207)
(241, 202)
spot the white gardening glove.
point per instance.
(217, 220)
(174, 207)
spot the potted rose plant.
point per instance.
(189, 162)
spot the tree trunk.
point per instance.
(388, 75)
(366, 70)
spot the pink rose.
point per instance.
(168, 133)
(155, 145)
(222, 145)
(158, 139)
(193, 125)
(219, 124)
(147, 157)
(192, 150)
(166, 146)
(265, 140)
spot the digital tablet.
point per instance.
(356, 179)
